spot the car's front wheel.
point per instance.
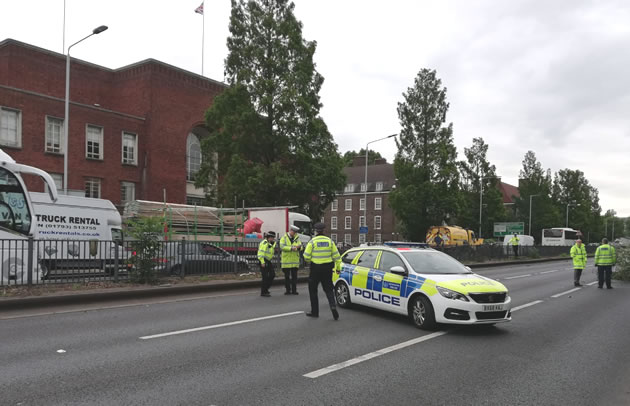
(342, 295)
(421, 313)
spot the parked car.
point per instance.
(202, 258)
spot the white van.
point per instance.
(523, 241)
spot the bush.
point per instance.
(146, 233)
(622, 270)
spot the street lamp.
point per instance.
(96, 30)
(367, 146)
(481, 198)
(570, 204)
(530, 213)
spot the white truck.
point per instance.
(278, 219)
(27, 222)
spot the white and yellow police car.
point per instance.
(427, 285)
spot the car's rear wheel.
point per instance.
(342, 295)
(421, 313)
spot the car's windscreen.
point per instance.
(434, 262)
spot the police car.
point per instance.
(425, 284)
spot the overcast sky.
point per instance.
(547, 76)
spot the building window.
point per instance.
(10, 127)
(333, 223)
(54, 135)
(127, 192)
(379, 186)
(129, 148)
(362, 221)
(333, 237)
(378, 238)
(348, 204)
(93, 187)
(194, 201)
(349, 188)
(361, 238)
(94, 142)
(58, 179)
(347, 238)
(348, 223)
(193, 156)
(334, 205)
(378, 203)
(363, 187)
(362, 204)
(377, 222)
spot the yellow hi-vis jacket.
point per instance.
(514, 241)
(605, 255)
(290, 258)
(579, 256)
(322, 250)
(265, 251)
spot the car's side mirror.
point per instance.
(398, 270)
(468, 268)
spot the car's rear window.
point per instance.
(434, 262)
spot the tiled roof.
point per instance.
(509, 192)
(383, 172)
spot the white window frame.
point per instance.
(348, 204)
(125, 196)
(133, 160)
(49, 144)
(379, 186)
(333, 237)
(58, 179)
(4, 128)
(348, 223)
(377, 222)
(363, 186)
(334, 205)
(93, 185)
(333, 223)
(362, 204)
(347, 238)
(362, 238)
(349, 188)
(378, 203)
(378, 238)
(362, 222)
(192, 166)
(101, 153)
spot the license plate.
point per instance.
(492, 308)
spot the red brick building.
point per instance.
(134, 131)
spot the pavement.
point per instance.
(86, 296)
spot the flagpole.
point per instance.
(63, 46)
(203, 36)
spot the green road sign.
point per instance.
(501, 229)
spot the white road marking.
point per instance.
(592, 283)
(232, 323)
(555, 270)
(526, 305)
(519, 276)
(366, 357)
(568, 291)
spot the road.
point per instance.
(564, 346)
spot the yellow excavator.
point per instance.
(451, 236)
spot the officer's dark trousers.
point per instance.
(268, 274)
(577, 273)
(290, 279)
(515, 248)
(604, 273)
(321, 273)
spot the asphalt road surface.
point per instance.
(564, 346)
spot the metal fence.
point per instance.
(30, 261)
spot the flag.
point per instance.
(199, 9)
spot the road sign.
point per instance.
(363, 230)
(501, 229)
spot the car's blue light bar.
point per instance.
(404, 244)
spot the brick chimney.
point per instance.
(358, 160)
(380, 161)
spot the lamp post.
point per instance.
(570, 204)
(530, 213)
(66, 126)
(367, 146)
(481, 198)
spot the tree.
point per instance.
(268, 144)
(476, 171)
(425, 165)
(348, 157)
(534, 181)
(570, 187)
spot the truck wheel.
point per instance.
(176, 270)
(342, 295)
(421, 313)
(243, 267)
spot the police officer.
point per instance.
(322, 253)
(514, 241)
(578, 253)
(290, 245)
(265, 255)
(605, 259)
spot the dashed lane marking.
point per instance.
(552, 271)
(518, 276)
(565, 293)
(232, 323)
(526, 305)
(592, 283)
